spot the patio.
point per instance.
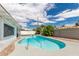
(71, 49)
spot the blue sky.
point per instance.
(60, 7)
(57, 14)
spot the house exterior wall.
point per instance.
(5, 18)
(1, 29)
(67, 33)
(10, 23)
(7, 43)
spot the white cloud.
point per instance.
(59, 16)
(66, 11)
(29, 10)
(39, 23)
(50, 6)
(49, 16)
(23, 24)
(36, 23)
(45, 20)
(66, 14)
(20, 19)
(59, 19)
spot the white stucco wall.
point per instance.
(27, 32)
(10, 23)
(1, 29)
(5, 18)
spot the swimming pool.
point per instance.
(42, 42)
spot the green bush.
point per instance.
(45, 30)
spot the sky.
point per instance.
(29, 15)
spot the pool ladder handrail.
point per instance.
(35, 40)
(39, 43)
(27, 45)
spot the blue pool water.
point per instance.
(42, 42)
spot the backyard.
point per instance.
(37, 29)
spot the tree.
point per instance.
(77, 23)
(38, 30)
(63, 25)
(45, 30)
(48, 30)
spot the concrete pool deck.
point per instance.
(71, 49)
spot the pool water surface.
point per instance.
(42, 42)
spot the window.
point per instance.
(8, 30)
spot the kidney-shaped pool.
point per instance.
(42, 42)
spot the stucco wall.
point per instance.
(5, 18)
(10, 23)
(68, 33)
(6, 45)
(27, 32)
(1, 29)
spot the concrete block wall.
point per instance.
(67, 33)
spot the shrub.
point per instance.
(45, 30)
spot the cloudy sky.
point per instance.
(31, 14)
